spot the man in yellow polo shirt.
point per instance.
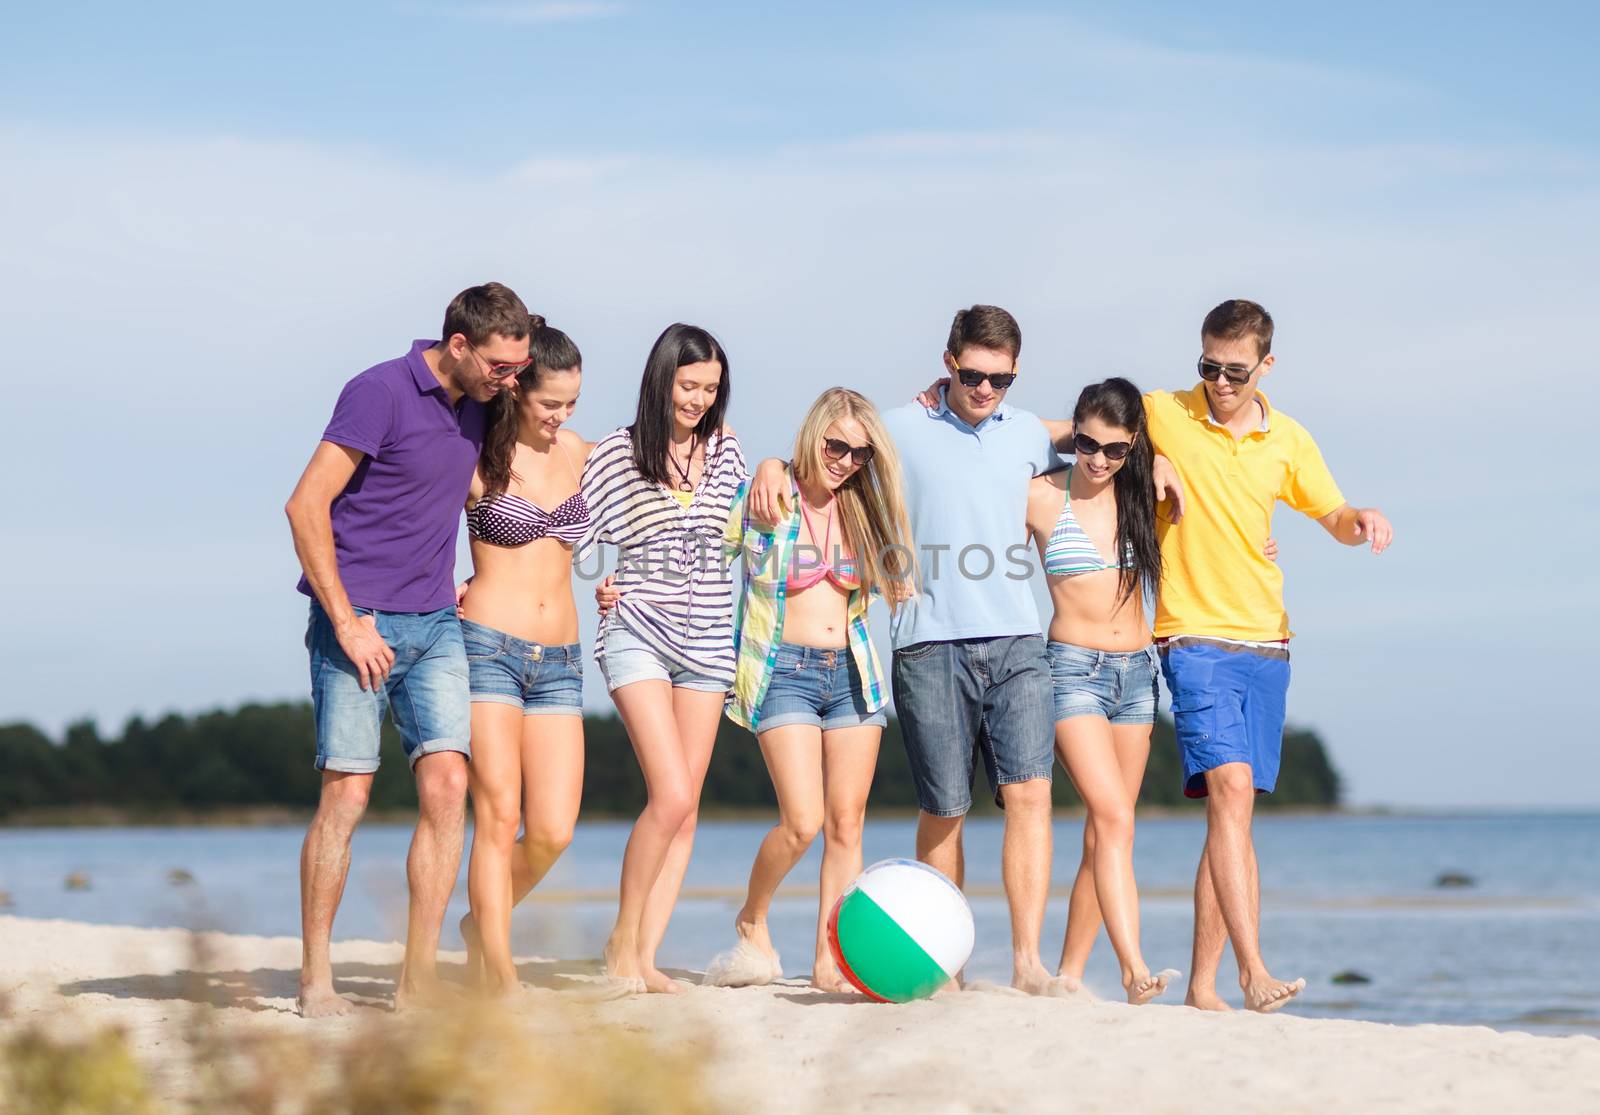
(1220, 621)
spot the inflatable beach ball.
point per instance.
(901, 931)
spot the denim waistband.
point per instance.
(1104, 656)
(522, 648)
(820, 656)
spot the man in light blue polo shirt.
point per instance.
(969, 656)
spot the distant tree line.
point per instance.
(260, 755)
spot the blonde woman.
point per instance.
(808, 681)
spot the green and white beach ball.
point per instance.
(901, 932)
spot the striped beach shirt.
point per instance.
(677, 593)
(768, 554)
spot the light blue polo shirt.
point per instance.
(967, 493)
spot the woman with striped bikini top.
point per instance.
(519, 623)
(507, 519)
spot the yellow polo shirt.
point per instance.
(1215, 579)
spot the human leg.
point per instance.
(1016, 744)
(1231, 856)
(793, 754)
(647, 713)
(696, 713)
(1090, 746)
(432, 865)
(324, 867)
(348, 719)
(1132, 745)
(849, 760)
(495, 778)
(1025, 869)
(939, 701)
(1210, 937)
(431, 704)
(549, 695)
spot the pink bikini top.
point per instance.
(843, 575)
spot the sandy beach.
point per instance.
(785, 1048)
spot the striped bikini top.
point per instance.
(504, 519)
(1069, 551)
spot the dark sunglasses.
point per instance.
(1088, 447)
(499, 370)
(1210, 370)
(836, 450)
(999, 380)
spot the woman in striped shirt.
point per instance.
(809, 683)
(660, 491)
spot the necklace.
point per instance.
(812, 530)
(684, 484)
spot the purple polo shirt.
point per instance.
(395, 523)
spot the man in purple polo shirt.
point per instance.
(374, 518)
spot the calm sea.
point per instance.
(1515, 950)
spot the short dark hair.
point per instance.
(1238, 318)
(481, 312)
(985, 327)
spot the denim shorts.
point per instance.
(538, 679)
(426, 690)
(992, 695)
(1228, 706)
(1117, 686)
(628, 659)
(814, 686)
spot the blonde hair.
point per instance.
(871, 503)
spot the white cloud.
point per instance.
(222, 290)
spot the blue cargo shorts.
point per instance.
(1228, 705)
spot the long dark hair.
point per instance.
(678, 345)
(551, 351)
(1117, 402)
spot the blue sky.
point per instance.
(213, 215)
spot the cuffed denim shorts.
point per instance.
(628, 659)
(540, 680)
(1119, 686)
(1228, 706)
(810, 685)
(426, 690)
(992, 695)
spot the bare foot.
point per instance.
(469, 933)
(752, 962)
(514, 996)
(825, 976)
(323, 1002)
(502, 986)
(1032, 980)
(744, 965)
(423, 994)
(755, 931)
(660, 983)
(1063, 986)
(1204, 999)
(1141, 989)
(1267, 995)
(622, 962)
